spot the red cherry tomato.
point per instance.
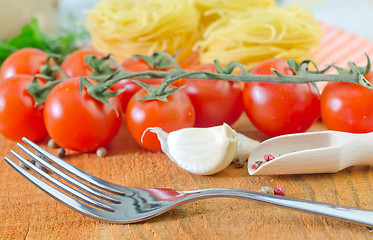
(139, 65)
(18, 115)
(131, 89)
(79, 122)
(280, 108)
(24, 61)
(348, 107)
(215, 101)
(190, 61)
(74, 64)
(176, 113)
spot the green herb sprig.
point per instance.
(62, 42)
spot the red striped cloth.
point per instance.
(339, 46)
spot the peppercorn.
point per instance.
(61, 153)
(279, 191)
(266, 189)
(257, 164)
(268, 157)
(45, 158)
(52, 144)
(22, 165)
(40, 166)
(239, 162)
(101, 152)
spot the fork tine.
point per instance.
(64, 187)
(68, 178)
(56, 194)
(95, 181)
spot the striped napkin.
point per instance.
(339, 46)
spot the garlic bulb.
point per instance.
(204, 151)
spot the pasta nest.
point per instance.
(257, 34)
(248, 31)
(127, 27)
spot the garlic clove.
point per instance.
(202, 151)
(245, 146)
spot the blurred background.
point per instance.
(355, 16)
(15, 13)
(51, 14)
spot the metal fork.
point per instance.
(109, 202)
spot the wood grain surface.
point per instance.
(28, 213)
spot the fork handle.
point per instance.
(356, 215)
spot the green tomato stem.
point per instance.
(301, 78)
(302, 75)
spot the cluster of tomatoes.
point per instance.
(72, 118)
(77, 121)
(278, 108)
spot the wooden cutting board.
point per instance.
(28, 213)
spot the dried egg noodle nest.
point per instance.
(257, 34)
(206, 5)
(247, 31)
(127, 27)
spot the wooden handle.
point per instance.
(359, 150)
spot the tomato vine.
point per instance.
(303, 74)
(106, 79)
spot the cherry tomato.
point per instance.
(74, 64)
(18, 115)
(77, 121)
(176, 113)
(215, 101)
(24, 61)
(191, 61)
(280, 108)
(131, 89)
(139, 65)
(348, 107)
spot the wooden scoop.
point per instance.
(313, 152)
